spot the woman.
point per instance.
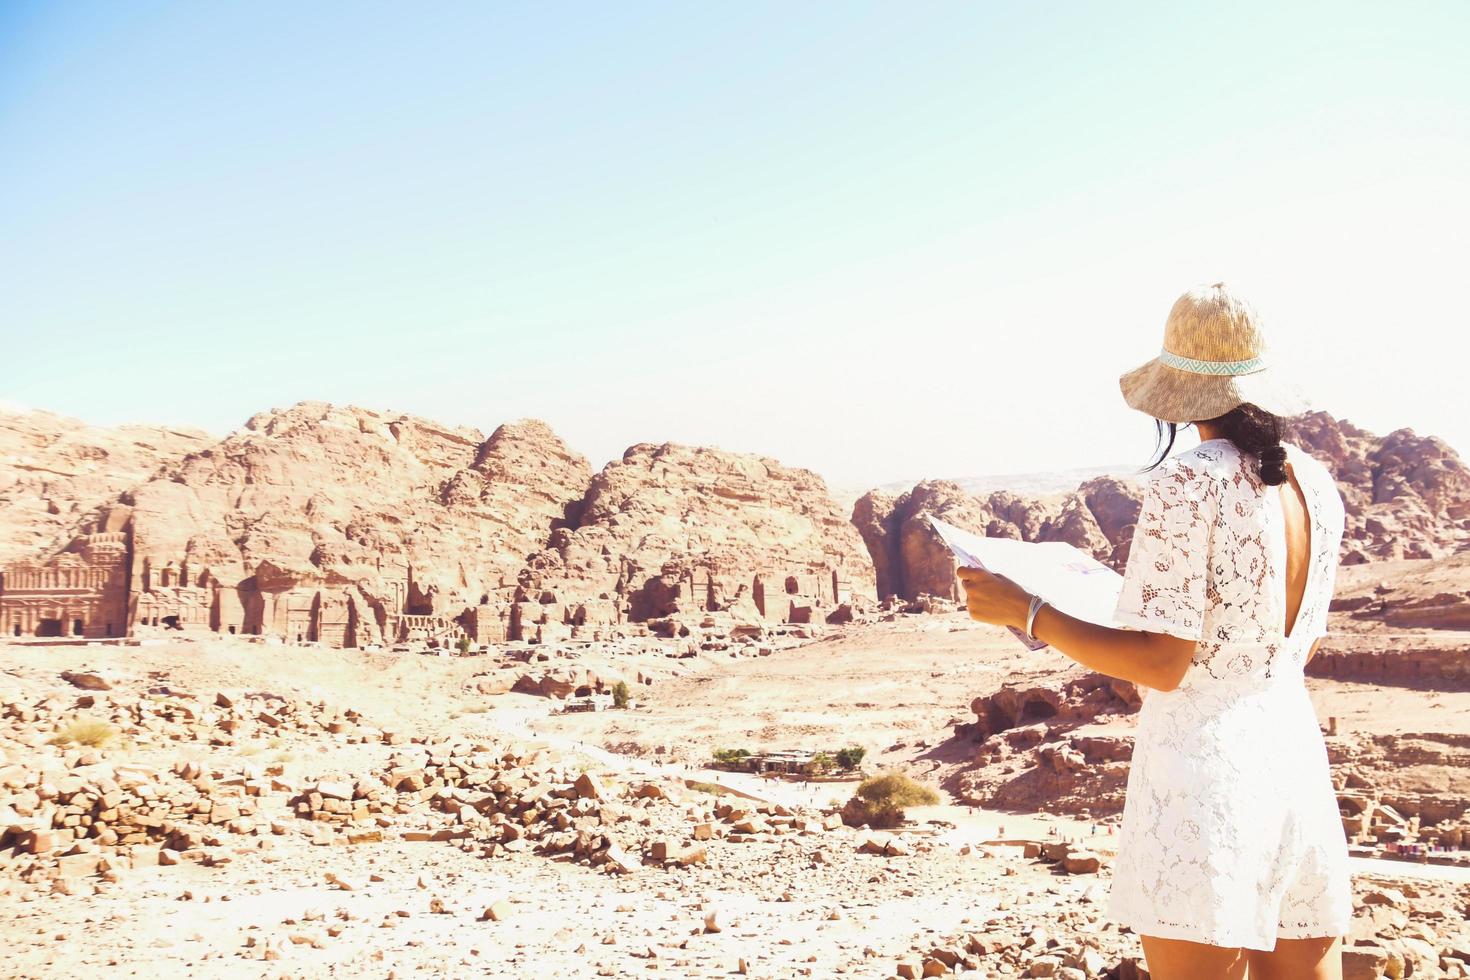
(1231, 853)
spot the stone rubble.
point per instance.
(708, 884)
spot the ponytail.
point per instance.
(1273, 465)
(1255, 432)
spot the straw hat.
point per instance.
(1213, 359)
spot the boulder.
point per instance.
(86, 680)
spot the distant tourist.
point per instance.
(1231, 568)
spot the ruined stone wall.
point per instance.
(81, 592)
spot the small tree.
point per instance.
(851, 757)
(897, 788)
(731, 757)
(880, 800)
(620, 694)
(822, 762)
(464, 644)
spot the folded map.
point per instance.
(1069, 579)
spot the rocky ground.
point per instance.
(259, 811)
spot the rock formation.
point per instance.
(349, 526)
(56, 471)
(1404, 595)
(342, 525)
(1406, 496)
(1029, 753)
(332, 523)
(1418, 781)
(1413, 660)
(911, 561)
(675, 531)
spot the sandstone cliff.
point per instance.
(1406, 496)
(390, 513)
(56, 471)
(673, 529)
(350, 526)
(910, 559)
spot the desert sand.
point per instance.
(793, 893)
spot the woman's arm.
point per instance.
(1313, 652)
(1163, 592)
(1155, 660)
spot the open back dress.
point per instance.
(1231, 833)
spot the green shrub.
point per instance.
(856, 812)
(713, 789)
(896, 789)
(851, 758)
(880, 800)
(464, 645)
(822, 762)
(620, 694)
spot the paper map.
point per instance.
(1069, 579)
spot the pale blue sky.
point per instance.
(880, 240)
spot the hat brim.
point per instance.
(1172, 395)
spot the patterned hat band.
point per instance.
(1195, 366)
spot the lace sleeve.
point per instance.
(1168, 561)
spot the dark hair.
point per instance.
(1255, 432)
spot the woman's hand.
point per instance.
(992, 598)
(1154, 660)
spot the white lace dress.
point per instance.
(1230, 834)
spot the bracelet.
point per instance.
(1036, 603)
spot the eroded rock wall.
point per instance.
(350, 526)
(55, 472)
(672, 530)
(1098, 518)
(1406, 496)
